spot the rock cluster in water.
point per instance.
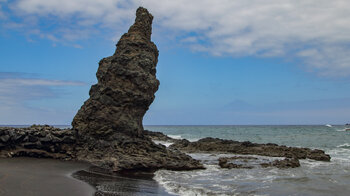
(235, 147)
(245, 162)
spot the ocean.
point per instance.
(313, 178)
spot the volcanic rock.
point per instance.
(235, 147)
(282, 164)
(158, 136)
(224, 163)
(109, 124)
(126, 86)
(37, 141)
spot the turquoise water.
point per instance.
(312, 178)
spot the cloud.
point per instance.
(2, 14)
(73, 20)
(17, 88)
(20, 91)
(272, 28)
(316, 31)
(37, 82)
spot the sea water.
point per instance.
(312, 178)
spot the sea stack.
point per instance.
(109, 126)
(126, 86)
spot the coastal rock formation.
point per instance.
(224, 163)
(158, 136)
(283, 164)
(126, 86)
(235, 147)
(109, 124)
(248, 162)
(37, 141)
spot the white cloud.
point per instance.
(2, 14)
(37, 82)
(271, 28)
(87, 12)
(316, 31)
(19, 91)
(15, 89)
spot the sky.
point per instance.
(222, 62)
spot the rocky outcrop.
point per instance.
(283, 164)
(224, 162)
(37, 141)
(235, 147)
(126, 153)
(109, 124)
(126, 86)
(158, 136)
(133, 153)
(240, 162)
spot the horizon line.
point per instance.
(2, 125)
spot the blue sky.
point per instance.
(221, 62)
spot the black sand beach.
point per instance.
(122, 184)
(42, 177)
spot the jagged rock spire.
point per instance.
(126, 85)
(143, 23)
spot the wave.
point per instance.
(175, 136)
(340, 129)
(345, 145)
(345, 129)
(170, 181)
(193, 139)
(167, 144)
(341, 154)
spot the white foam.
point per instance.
(345, 145)
(340, 129)
(179, 188)
(175, 136)
(328, 125)
(167, 144)
(340, 155)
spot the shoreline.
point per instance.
(131, 183)
(41, 177)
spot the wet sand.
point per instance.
(132, 183)
(41, 177)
